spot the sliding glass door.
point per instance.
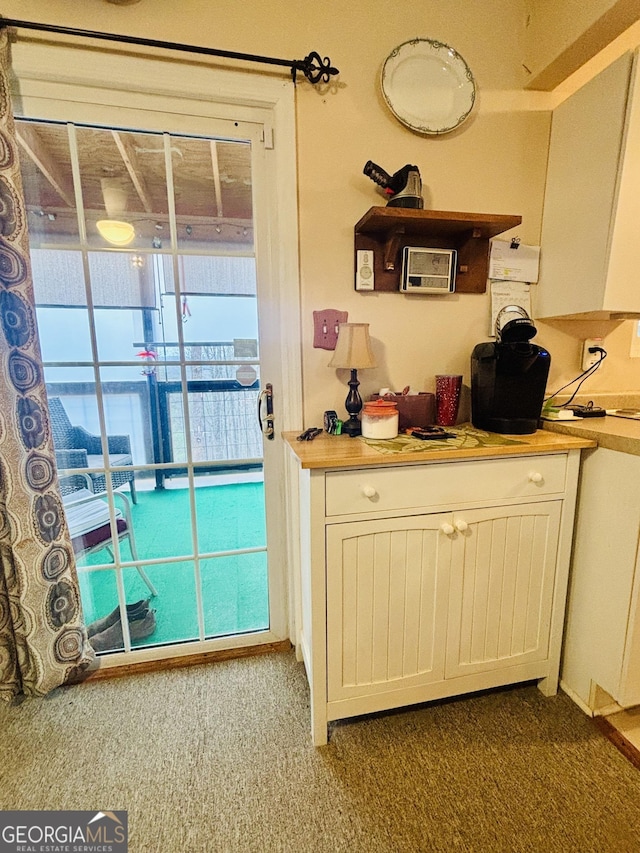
(146, 261)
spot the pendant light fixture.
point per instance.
(114, 229)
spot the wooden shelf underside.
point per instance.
(385, 231)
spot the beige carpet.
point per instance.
(218, 758)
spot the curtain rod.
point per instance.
(314, 68)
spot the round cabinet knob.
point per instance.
(369, 492)
(461, 525)
(447, 528)
(535, 476)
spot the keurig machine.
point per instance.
(509, 376)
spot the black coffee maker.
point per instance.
(509, 376)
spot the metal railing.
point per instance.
(225, 435)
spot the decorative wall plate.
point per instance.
(428, 86)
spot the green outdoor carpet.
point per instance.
(234, 588)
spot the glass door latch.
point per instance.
(265, 403)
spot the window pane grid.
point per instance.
(186, 270)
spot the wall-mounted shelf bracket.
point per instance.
(384, 231)
(392, 247)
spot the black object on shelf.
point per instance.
(404, 187)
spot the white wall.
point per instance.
(494, 163)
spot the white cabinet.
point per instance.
(590, 254)
(602, 647)
(416, 600)
(501, 588)
(387, 595)
(429, 580)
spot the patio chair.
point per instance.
(77, 448)
(87, 516)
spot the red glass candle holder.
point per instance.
(447, 399)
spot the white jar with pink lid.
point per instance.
(380, 419)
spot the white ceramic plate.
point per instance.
(428, 86)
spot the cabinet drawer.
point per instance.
(438, 484)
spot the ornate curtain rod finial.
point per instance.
(315, 68)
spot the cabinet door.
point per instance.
(386, 604)
(583, 192)
(502, 582)
(629, 693)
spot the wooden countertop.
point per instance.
(620, 434)
(341, 451)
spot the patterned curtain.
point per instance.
(43, 641)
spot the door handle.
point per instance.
(266, 425)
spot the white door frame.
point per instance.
(71, 83)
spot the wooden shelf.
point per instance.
(386, 230)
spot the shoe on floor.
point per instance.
(134, 611)
(111, 639)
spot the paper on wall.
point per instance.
(505, 293)
(513, 261)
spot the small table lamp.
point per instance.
(353, 351)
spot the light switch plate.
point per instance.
(325, 327)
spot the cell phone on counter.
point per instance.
(426, 433)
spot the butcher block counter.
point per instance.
(341, 451)
(429, 572)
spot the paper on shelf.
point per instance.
(513, 261)
(505, 293)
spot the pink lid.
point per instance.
(380, 408)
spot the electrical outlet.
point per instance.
(590, 358)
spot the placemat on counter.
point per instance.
(466, 436)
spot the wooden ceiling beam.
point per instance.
(215, 167)
(34, 146)
(129, 156)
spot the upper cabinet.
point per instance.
(590, 257)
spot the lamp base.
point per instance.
(352, 427)
(353, 405)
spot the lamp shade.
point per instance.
(353, 349)
(115, 229)
(114, 193)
